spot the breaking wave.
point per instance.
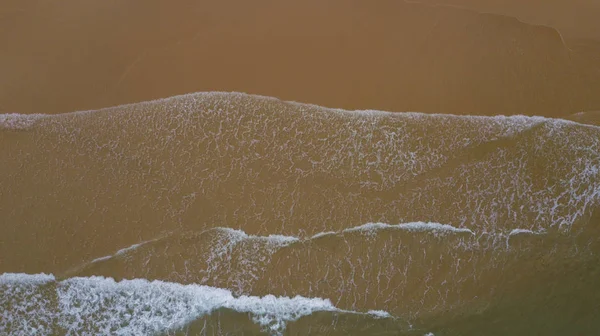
(97, 305)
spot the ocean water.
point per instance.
(226, 213)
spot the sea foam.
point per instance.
(379, 313)
(15, 121)
(22, 278)
(137, 307)
(273, 242)
(435, 228)
(524, 231)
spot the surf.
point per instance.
(425, 217)
(41, 305)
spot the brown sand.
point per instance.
(60, 56)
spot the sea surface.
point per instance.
(232, 214)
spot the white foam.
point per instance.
(273, 238)
(126, 250)
(152, 307)
(102, 259)
(219, 257)
(22, 278)
(273, 312)
(524, 231)
(369, 227)
(233, 232)
(283, 240)
(280, 239)
(31, 310)
(142, 307)
(379, 313)
(323, 234)
(516, 119)
(271, 243)
(15, 121)
(413, 227)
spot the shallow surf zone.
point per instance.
(413, 271)
(426, 217)
(41, 305)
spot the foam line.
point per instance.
(14, 120)
(413, 227)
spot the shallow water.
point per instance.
(215, 213)
(68, 55)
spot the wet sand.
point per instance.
(62, 56)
